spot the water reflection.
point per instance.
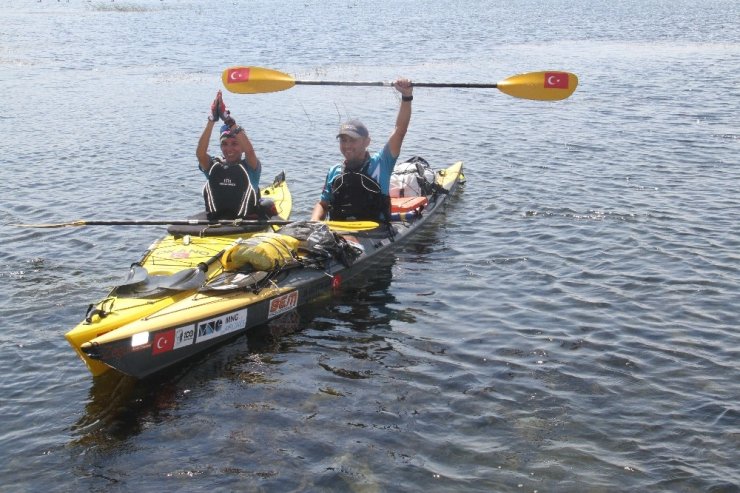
(361, 303)
(119, 405)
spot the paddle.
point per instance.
(228, 281)
(137, 273)
(337, 225)
(542, 86)
(184, 280)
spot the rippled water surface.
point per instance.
(570, 323)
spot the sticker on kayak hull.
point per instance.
(283, 304)
(216, 327)
(163, 342)
(188, 335)
(140, 339)
(173, 339)
(184, 336)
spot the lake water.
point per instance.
(569, 324)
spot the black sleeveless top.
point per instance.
(229, 194)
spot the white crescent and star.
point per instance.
(552, 80)
(159, 342)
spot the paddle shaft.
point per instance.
(203, 266)
(388, 84)
(178, 222)
(160, 222)
(334, 225)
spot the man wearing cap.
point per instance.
(232, 190)
(358, 188)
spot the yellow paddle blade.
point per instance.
(352, 225)
(255, 80)
(543, 86)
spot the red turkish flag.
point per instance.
(163, 342)
(238, 74)
(556, 80)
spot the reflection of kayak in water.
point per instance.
(307, 260)
(171, 270)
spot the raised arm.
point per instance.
(246, 146)
(403, 119)
(201, 152)
(218, 108)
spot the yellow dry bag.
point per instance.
(263, 251)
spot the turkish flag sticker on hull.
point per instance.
(163, 342)
(238, 74)
(556, 80)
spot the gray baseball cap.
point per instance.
(353, 128)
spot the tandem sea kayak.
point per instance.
(254, 281)
(172, 269)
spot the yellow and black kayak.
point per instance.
(171, 270)
(305, 263)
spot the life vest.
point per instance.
(229, 194)
(357, 196)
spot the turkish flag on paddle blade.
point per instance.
(238, 74)
(556, 80)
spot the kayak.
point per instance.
(259, 279)
(170, 270)
(239, 297)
